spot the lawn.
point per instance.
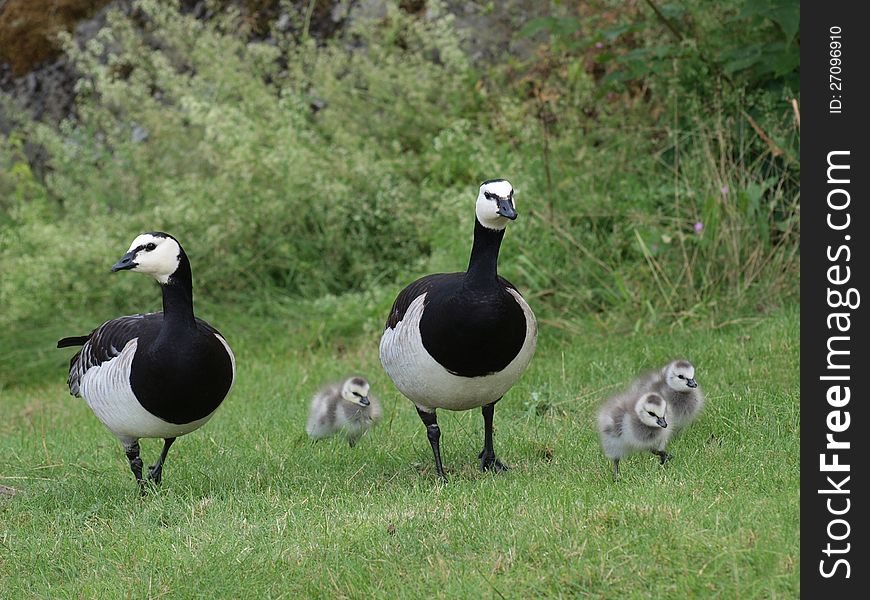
(251, 508)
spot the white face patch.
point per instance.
(650, 412)
(678, 376)
(353, 392)
(487, 208)
(159, 261)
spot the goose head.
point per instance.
(495, 204)
(680, 376)
(158, 254)
(356, 391)
(650, 409)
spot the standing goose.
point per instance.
(461, 340)
(156, 375)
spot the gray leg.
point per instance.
(615, 469)
(488, 461)
(434, 434)
(663, 456)
(155, 472)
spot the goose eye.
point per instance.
(150, 246)
(357, 394)
(681, 376)
(652, 414)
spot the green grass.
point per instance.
(250, 508)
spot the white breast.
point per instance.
(107, 390)
(429, 385)
(232, 363)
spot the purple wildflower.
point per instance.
(724, 189)
(699, 227)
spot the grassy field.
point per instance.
(251, 508)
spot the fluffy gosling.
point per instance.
(343, 406)
(676, 383)
(628, 423)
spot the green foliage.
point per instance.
(756, 42)
(179, 131)
(774, 54)
(684, 190)
(318, 170)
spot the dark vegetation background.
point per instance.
(324, 152)
(312, 156)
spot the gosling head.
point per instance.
(650, 409)
(157, 254)
(356, 391)
(680, 376)
(495, 204)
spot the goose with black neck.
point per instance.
(459, 341)
(155, 375)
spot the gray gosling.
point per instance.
(344, 406)
(676, 383)
(628, 423)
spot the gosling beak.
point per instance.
(691, 383)
(662, 423)
(364, 400)
(125, 263)
(506, 208)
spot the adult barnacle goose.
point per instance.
(156, 375)
(461, 340)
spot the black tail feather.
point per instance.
(77, 340)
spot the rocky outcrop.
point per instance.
(29, 28)
(35, 72)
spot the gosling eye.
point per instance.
(652, 414)
(681, 376)
(150, 246)
(357, 394)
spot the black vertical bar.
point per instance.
(834, 259)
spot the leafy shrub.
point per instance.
(310, 170)
(642, 122)
(193, 131)
(751, 43)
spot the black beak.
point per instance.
(662, 423)
(125, 263)
(691, 383)
(506, 208)
(364, 400)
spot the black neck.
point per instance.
(483, 265)
(178, 296)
